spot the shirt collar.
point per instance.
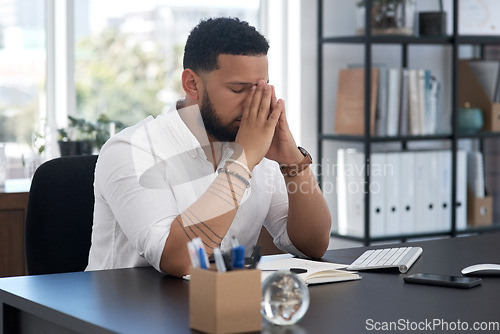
(186, 139)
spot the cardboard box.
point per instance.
(225, 302)
(471, 91)
(479, 210)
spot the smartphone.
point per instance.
(443, 280)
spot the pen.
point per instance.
(201, 255)
(227, 261)
(193, 255)
(234, 241)
(200, 252)
(238, 257)
(219, 260)
(255, 257)
(293, 270)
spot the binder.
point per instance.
(419, 178)
(351, 220)
(444, 202)
(425, 193)
(461, 191)
(432, 191)
(377, 188)
(392, 205)
(406, 192)
(341, 193)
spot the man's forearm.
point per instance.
(309, 219)
(209, 218)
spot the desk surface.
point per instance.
(140, 300)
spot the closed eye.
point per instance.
(239, 87)
(238, 91)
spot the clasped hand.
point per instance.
(264, 131)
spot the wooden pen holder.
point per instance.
(225, 302)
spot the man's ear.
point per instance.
(191, 83)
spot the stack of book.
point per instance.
(403, 102)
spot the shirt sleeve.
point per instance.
(140, 199)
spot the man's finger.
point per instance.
(273, 99)
(265, 103)
(256, 100)
(248, 103)
(275, 115)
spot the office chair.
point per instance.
(59, 215)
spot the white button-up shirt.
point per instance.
(150, 173)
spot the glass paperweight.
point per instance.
(285, 298)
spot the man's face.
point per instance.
(225, 90)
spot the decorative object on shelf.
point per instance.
(388, 17)
(470, 120)
(432, 23)
(478, 17)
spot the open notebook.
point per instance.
(317, 271)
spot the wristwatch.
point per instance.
(294, 169)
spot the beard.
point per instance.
(212, 122)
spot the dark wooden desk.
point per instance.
(13, 203)
(141, 300)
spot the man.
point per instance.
(209, 168)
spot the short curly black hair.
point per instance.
(222, 35)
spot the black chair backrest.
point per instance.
(59, 215)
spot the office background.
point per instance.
(41, 47)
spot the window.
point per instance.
(89, 58)
(22, 79)
(128, 58)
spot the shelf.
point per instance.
(399, 39)
(478, 39)
(358, 138)
(478, 135)
(480, 229)
(452, 41)
(388, 39)
(404, 237)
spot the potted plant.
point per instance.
(85, 137)
(388, 17)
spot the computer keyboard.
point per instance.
(395, 257)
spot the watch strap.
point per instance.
(294, 169)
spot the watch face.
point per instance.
(304, 152)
